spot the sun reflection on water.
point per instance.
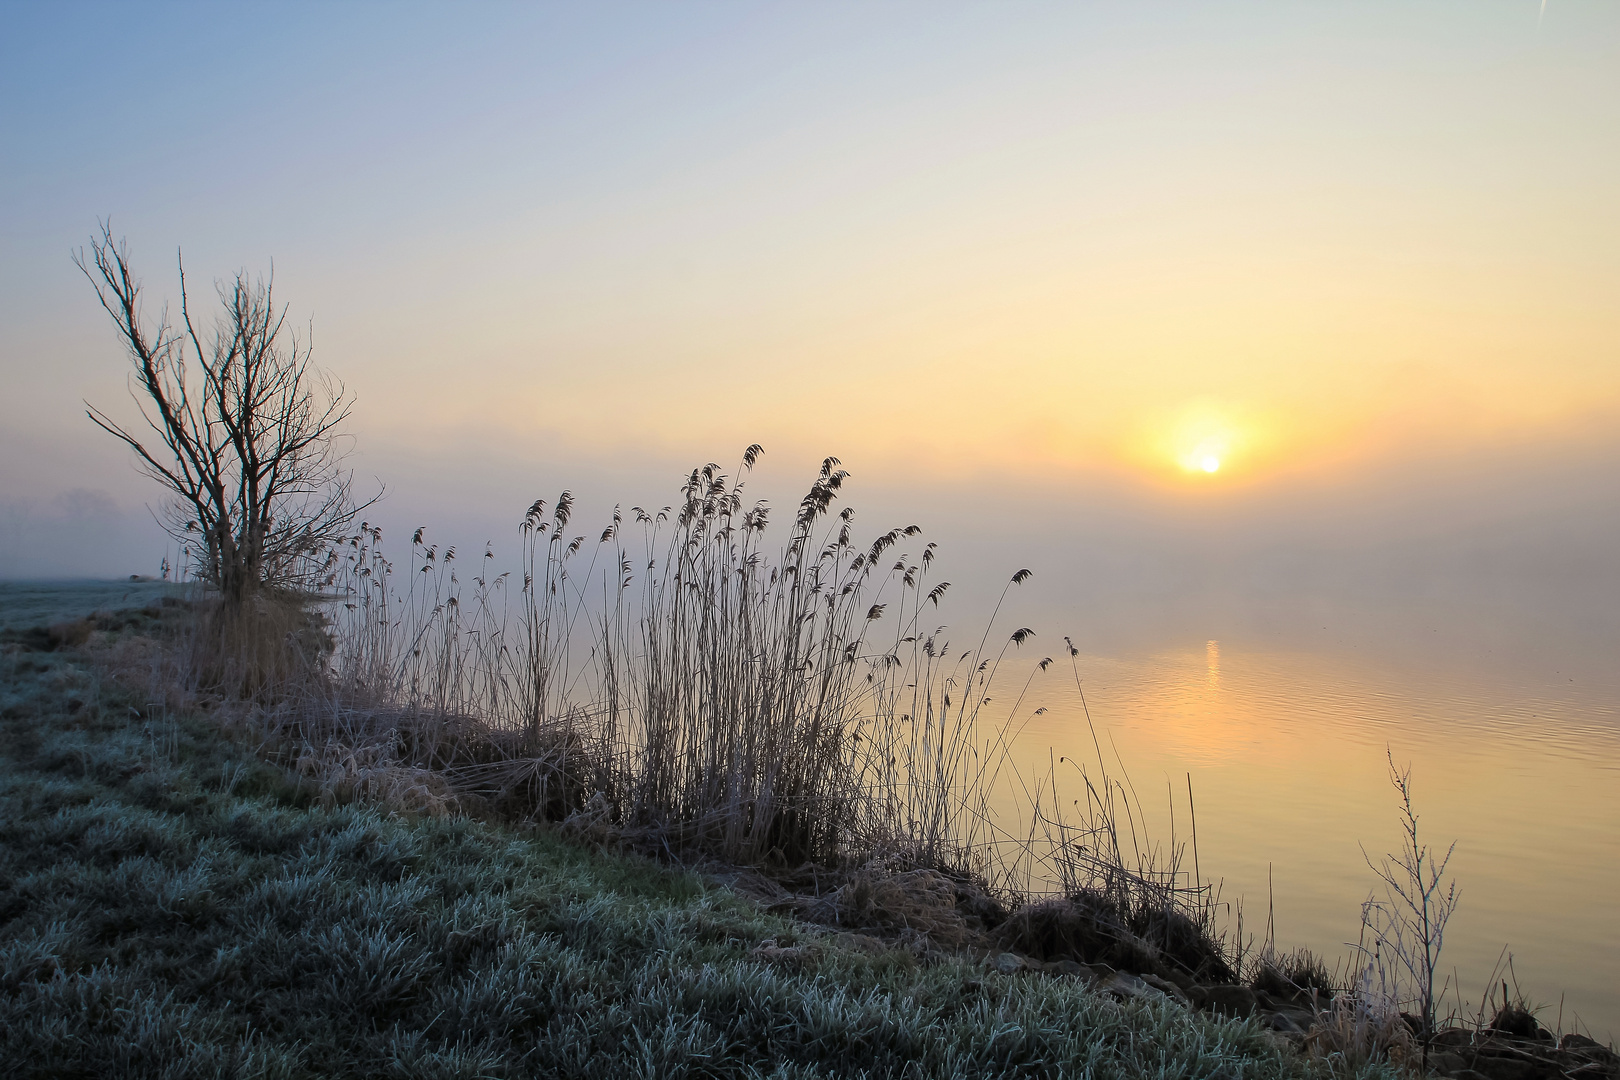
(1286, 749)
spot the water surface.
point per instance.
(1283, 726)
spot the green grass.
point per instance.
(172, 906)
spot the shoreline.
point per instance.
(1288, 1017)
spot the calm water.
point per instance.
(1515, 753)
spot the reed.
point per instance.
(786, 705)
(683, 681)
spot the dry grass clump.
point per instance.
(190, 645)
(371, 773)
(1093, 927)
(1361, 1028)
(420, 761)
(917, 904)
(262, 649)
(1125, 900)
(1300, 973)
(70, 634)
(921, 909)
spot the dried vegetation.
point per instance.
(171, 904)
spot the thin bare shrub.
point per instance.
(1404, 930)
(1397, 956)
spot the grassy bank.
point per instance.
(171, 905)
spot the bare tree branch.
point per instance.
(247, 429)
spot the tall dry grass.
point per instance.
(682, 676)
(683, 679)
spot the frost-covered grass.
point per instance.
(25, 604)
(170, 905)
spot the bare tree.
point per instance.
(244, 429)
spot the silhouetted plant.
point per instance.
(1403, 932)
(246, 430)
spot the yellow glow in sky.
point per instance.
(1207, 441)
(1193, 248)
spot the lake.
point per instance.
(1283, 720)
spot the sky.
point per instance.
(1151, 298)
(1256, 331)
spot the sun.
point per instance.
(1203, 446)
(1204, 443)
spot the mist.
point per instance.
(1510, 550)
